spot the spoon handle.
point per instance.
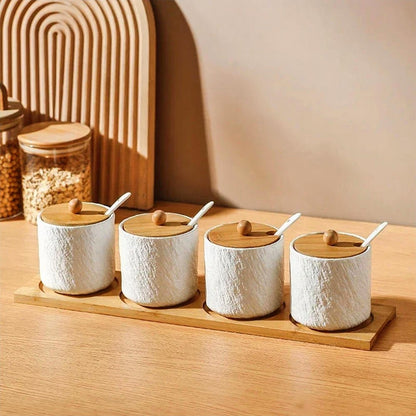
(119, 201)
(374, 234)
(200, 213)
(287, 224)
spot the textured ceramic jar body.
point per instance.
(244, 282)
(76, 259)
(159, 271)
(330, 293)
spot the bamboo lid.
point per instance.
(10, 110)
(243, 235)
(329, 245)
(66, 215)
(157, 224)
(54, 134)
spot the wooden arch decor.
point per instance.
(91, 61)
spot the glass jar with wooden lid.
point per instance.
(330, 280)
(11, 117)
(56, 165)
(244, 269)
(158, 256)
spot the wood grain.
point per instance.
(227, 235)
(58, 362)
(59, 214)
(144, 226)
(196, 314)
(314, 245)
(51, 134)
(92, 62)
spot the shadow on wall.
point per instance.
(181, 165)
(313, 121)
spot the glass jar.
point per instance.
(56, 165)
(11, 117)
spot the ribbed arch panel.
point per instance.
(91, 61)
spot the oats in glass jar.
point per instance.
(56, 165)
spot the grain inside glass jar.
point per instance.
(11, 116)
(56, 165)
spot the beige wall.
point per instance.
(288, 105)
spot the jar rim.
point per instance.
(326, 258)
(55, 151)
(150, 237)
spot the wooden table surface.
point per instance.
(57, 362)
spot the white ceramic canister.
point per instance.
(330, 283)
(243, 270)
(76, 251)
(158, 259)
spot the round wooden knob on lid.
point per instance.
(330, 237)
(329, 244)
(157, 224)
(244, 227)
(159, 217)
(74, 213)
(244, 234)
(75, 206)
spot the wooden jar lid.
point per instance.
(59, 215)
(228, 235)
(314, 245)
(143, 225)
(10, 110)
(54, 134)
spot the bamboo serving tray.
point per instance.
(195, 313)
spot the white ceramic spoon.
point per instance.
(374, 234)
(201, 213)
(287, 224)
(119, 202)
